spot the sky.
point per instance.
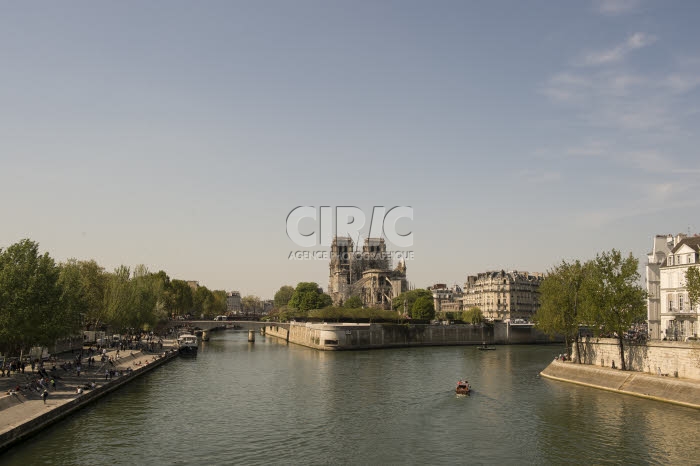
(180, 135)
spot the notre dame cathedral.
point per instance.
(366, 274)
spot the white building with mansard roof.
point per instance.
(677, 319)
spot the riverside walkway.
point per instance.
(27, 405)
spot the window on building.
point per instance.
(670, 303)
(680, 302)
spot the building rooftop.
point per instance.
(693, 242)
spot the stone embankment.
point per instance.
(685, 392)
(339, 336)
(24, 414)
(675, 358)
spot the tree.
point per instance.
(473, 315)
(72, 299)
(283, 295)
(617, 300)
(251, 304)
(353, 302)
(423, 308)
(181, 297)
(324, 300)
(692, 283)
(404, 302)
(562, 302)
(150, 294)
(30, 299)
(118, 298)
(83, 286)
(308, 296)
(219, 305)
(202, 302)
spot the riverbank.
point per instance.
(684, 392)
(24, 414)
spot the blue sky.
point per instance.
(181, 134)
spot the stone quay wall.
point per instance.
(35, 425)
(668, 389)
(280, 331)
(671, 358)
(344, 336)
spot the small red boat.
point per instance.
(463, 388)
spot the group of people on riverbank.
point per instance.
(12, 366)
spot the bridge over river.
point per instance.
(216, 324)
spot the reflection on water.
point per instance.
(269, 402)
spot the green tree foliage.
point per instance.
(353, 302)
(337, 314)
(692, 283)
(117, 299)
(563, 302)
(202, 302)
(219, 304)
(616, 299)
(83, 286)
(473, 315)
(308, 296)
(405, 303)
(423, 308)
(251, 305)
(324, 300)
(30, 299)
(181, 297)
(165, 305)
(147, 305)
(136, 301)
(41, 302)
(283, 295)
(281, 314)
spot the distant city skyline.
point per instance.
(181, 135)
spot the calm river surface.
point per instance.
(262, 403)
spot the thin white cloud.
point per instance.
(623, 100)
(589, 149)
(617, 53)
(615, 7)
(681, 83)
(646, 160)
(598, 218)
(532, 176)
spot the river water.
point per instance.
(272, 403)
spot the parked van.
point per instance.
(220, 318)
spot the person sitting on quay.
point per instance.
(15, 391)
